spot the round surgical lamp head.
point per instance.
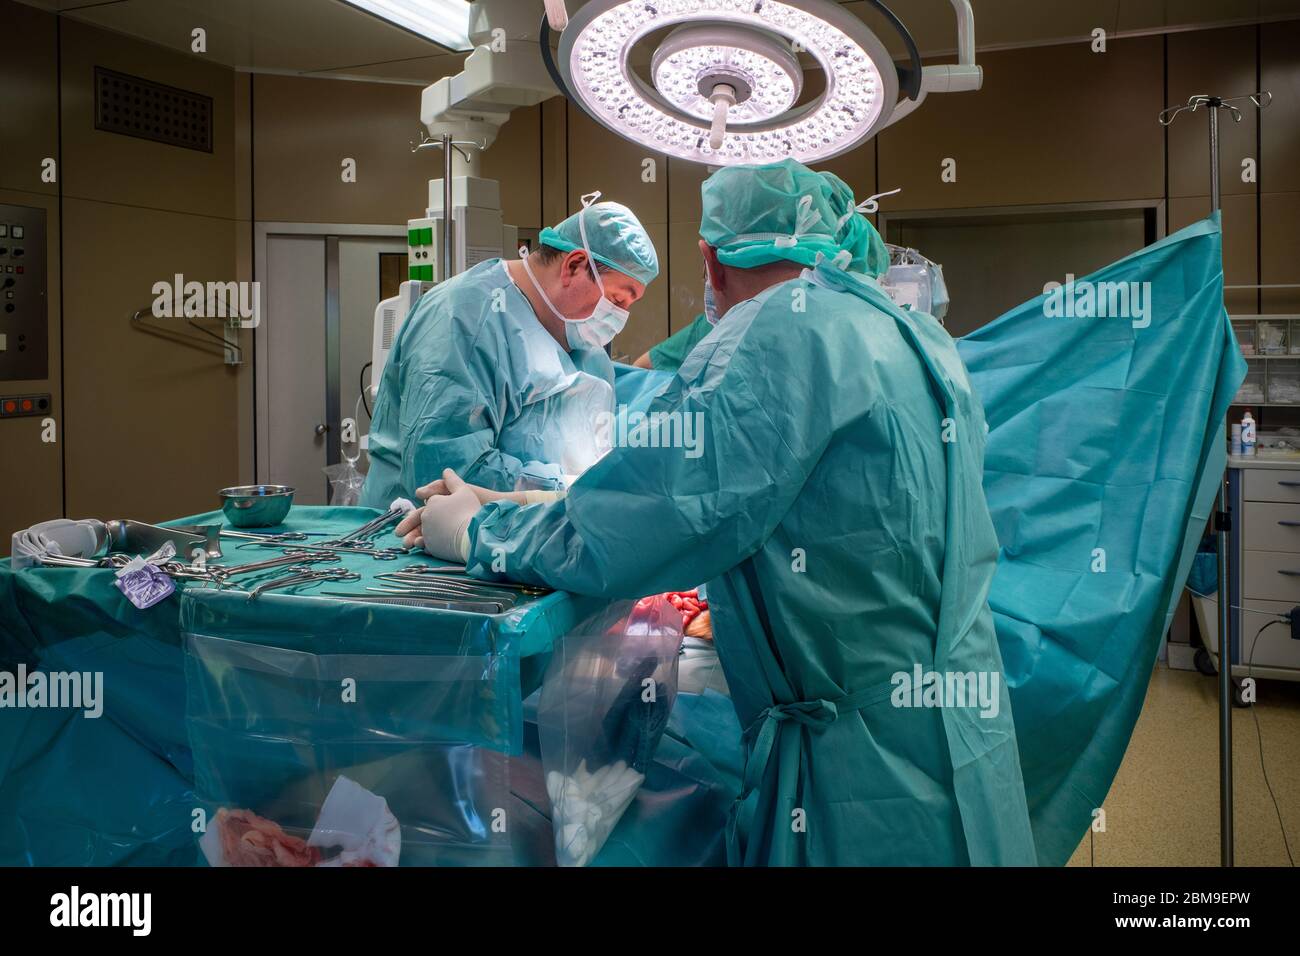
(726, 80)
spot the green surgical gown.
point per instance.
(834, 505)
(476, 384)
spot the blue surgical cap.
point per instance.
(755, 215)
(617, 239)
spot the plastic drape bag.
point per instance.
(345, 483)
(604, 705)
(300, 755)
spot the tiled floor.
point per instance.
(1163, 809)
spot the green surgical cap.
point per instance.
(617, 239)
(755, 215)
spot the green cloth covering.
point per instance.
(476, 384)
(136, 759)
(850, 470)
(669, 354)
(1106, 433)
(616, 236)
(784, 211)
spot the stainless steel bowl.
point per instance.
(256, 506)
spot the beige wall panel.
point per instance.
(305, 128)
(29, 119)
(150, 424)
(555, 160)
(515, 161)
(244, 385)
(31, 470)
(598, 159)
(1054, 124)
(684, 182)
(687, 274)
(1280, 255)
(243, 146)
(1280, 122)
(1240, 248)
(109, 167)
(244, 416)
(857, 168)
(1222, 63)
(648, 322)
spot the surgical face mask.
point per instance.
(595, 331)
(710, 304)
(605, 321)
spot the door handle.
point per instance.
(1290, 524)
(321, 430)
(1289, 484)
(1290, 574)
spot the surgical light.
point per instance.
(445, 22)
(726, 81)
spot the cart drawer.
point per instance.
(1270, 576)
(1271, 526)
(1264, 484)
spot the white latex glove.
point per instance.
(451, 482)
(444, 524)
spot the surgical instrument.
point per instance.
(379, 554)
(270, 538)
(418, 572)
(442, 584)
(288, 558)
(302, 574)
(460, 584)
(471, 607)
(399, 508)
(500, 603)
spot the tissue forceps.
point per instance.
(303, 574)
(289, 557)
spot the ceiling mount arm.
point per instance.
(963, 76)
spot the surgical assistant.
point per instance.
(502, 369)
(837, 514)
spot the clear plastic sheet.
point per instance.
(605, 703)
(272, 730)
(345, 483)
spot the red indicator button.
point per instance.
(10, 407)
(27, 404)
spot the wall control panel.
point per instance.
(24, 406)
(24, 304)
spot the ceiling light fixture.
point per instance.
(725, 84)
(445, 22)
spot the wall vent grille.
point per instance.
(134, 107)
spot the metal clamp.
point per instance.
(302, 574)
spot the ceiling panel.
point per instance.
(294, 36)
(330, 38)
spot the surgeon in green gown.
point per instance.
(835, 508)
(501, 371)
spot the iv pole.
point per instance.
(1222, 506)
(446, 143)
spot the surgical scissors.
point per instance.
(500, 600)
(302, 574)
(289, 557)
(414, 600)
(415, 573)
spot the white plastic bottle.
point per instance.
(1247, 434)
